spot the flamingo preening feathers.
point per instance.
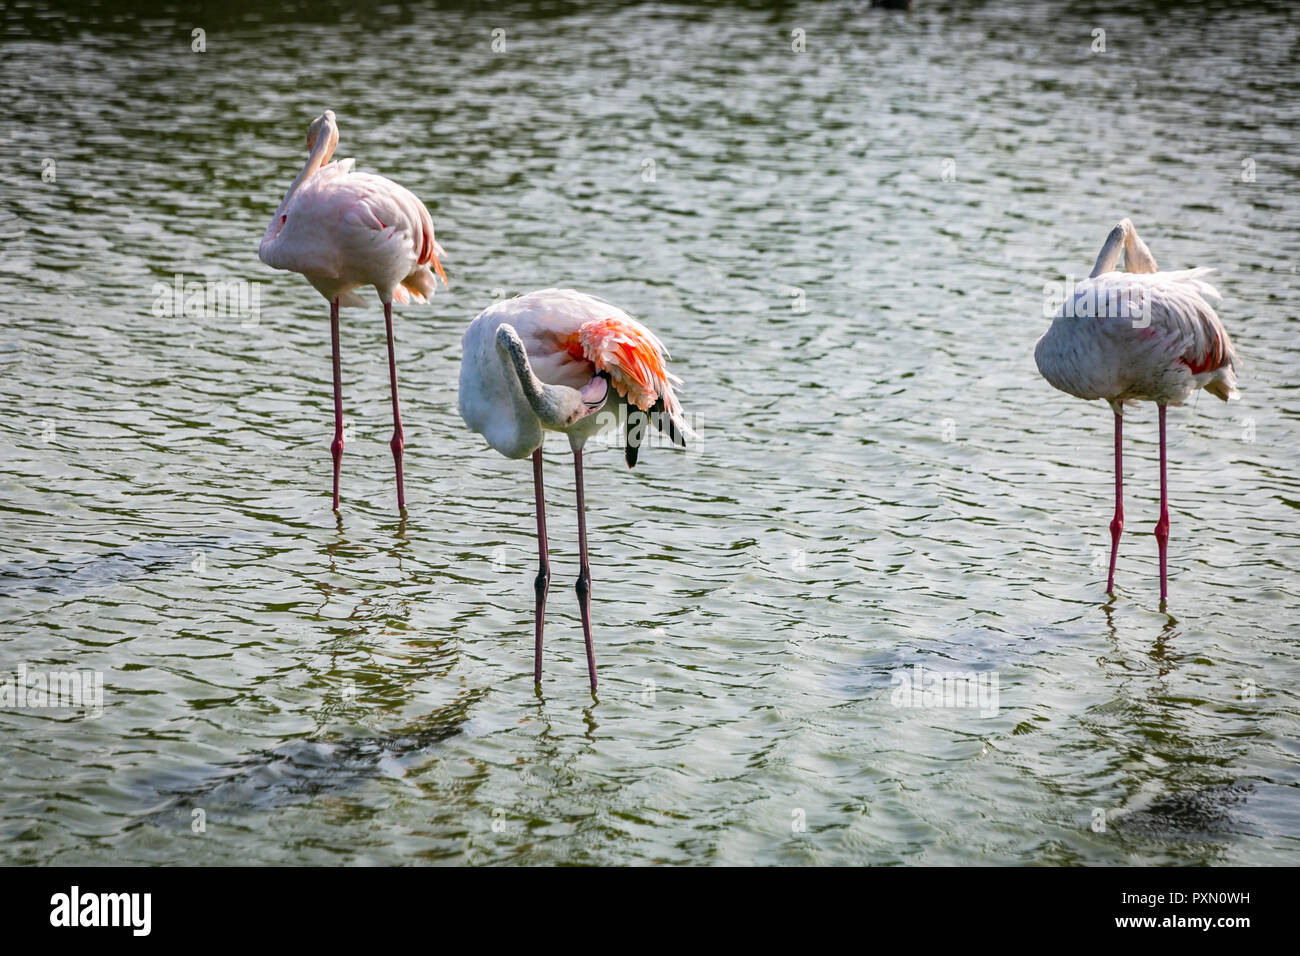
(559, 360)
(344, 230)
(1133, 336)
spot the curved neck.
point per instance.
(320, 153)
(1108, 259)
(554, 405)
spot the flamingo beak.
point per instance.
(313, 131)
(595, 394)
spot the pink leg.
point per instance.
(543, 582)
(398, 442)
(584, 570)
(336, 447)
(1162, 526)
(1117, 522)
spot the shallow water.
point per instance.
(846, 250)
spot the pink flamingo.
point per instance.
(343, 230)
(1138, 335)
(546, 361)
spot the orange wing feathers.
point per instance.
(631, 355)
(430, 250)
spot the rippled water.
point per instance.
(845, 248)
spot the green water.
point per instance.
(846, 250)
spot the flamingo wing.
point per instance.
(383, 219)
(633, 358)
(1180, 303)
(1180, 326)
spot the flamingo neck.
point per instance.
(320, 155)
(556, 406)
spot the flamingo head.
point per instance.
(324, 125)
(322, 138)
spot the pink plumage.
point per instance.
(1129, 336)
(1138, 335)
(563, 361)
(634, 358)
(344, 230)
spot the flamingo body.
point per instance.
(559, 360)
(1098, 347)
(571, 339)
(344, 230)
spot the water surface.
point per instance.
(846, 249)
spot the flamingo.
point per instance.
(1138, 335)
(560, 360)
(344, 230)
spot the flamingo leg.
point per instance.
(1117, 522)
(1162, 526)
(336, 446)
(398, 442)
(542, 583)
(583, 586)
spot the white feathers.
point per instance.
(1126, 336)
(552, 325)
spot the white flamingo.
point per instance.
(1138, 335)
(344, 230)
(559, 360)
